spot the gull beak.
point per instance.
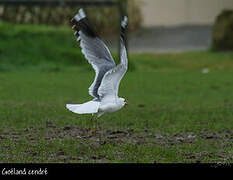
(126, 104)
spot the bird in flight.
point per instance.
(108, 75)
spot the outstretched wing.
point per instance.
(94, 50)
(108, 89)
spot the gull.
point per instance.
(108, 75)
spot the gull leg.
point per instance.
(96, 123)
(94, 126)
(92, 119)
(99, 126)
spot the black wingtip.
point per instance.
(123, 27)
(80, 23)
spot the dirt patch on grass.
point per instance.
(146, 136)
(85, 137)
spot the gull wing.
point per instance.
(94, 50)
(108, 90)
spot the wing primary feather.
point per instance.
(123, 28)
(94, 50)
(82, 13)
(109, 86)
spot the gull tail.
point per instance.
(89, 107)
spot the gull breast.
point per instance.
(109, 108)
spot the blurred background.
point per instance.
(159, 25)
(178, 86)
(181, 25)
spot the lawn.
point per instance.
(176, 113)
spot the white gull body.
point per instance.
(104, 89)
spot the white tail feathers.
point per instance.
(89, 107)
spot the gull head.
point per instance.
(122, 102)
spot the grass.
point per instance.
(175, 114)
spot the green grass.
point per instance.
(175, 114)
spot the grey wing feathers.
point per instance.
(94, 50)
(93, 89)
(111, 80)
